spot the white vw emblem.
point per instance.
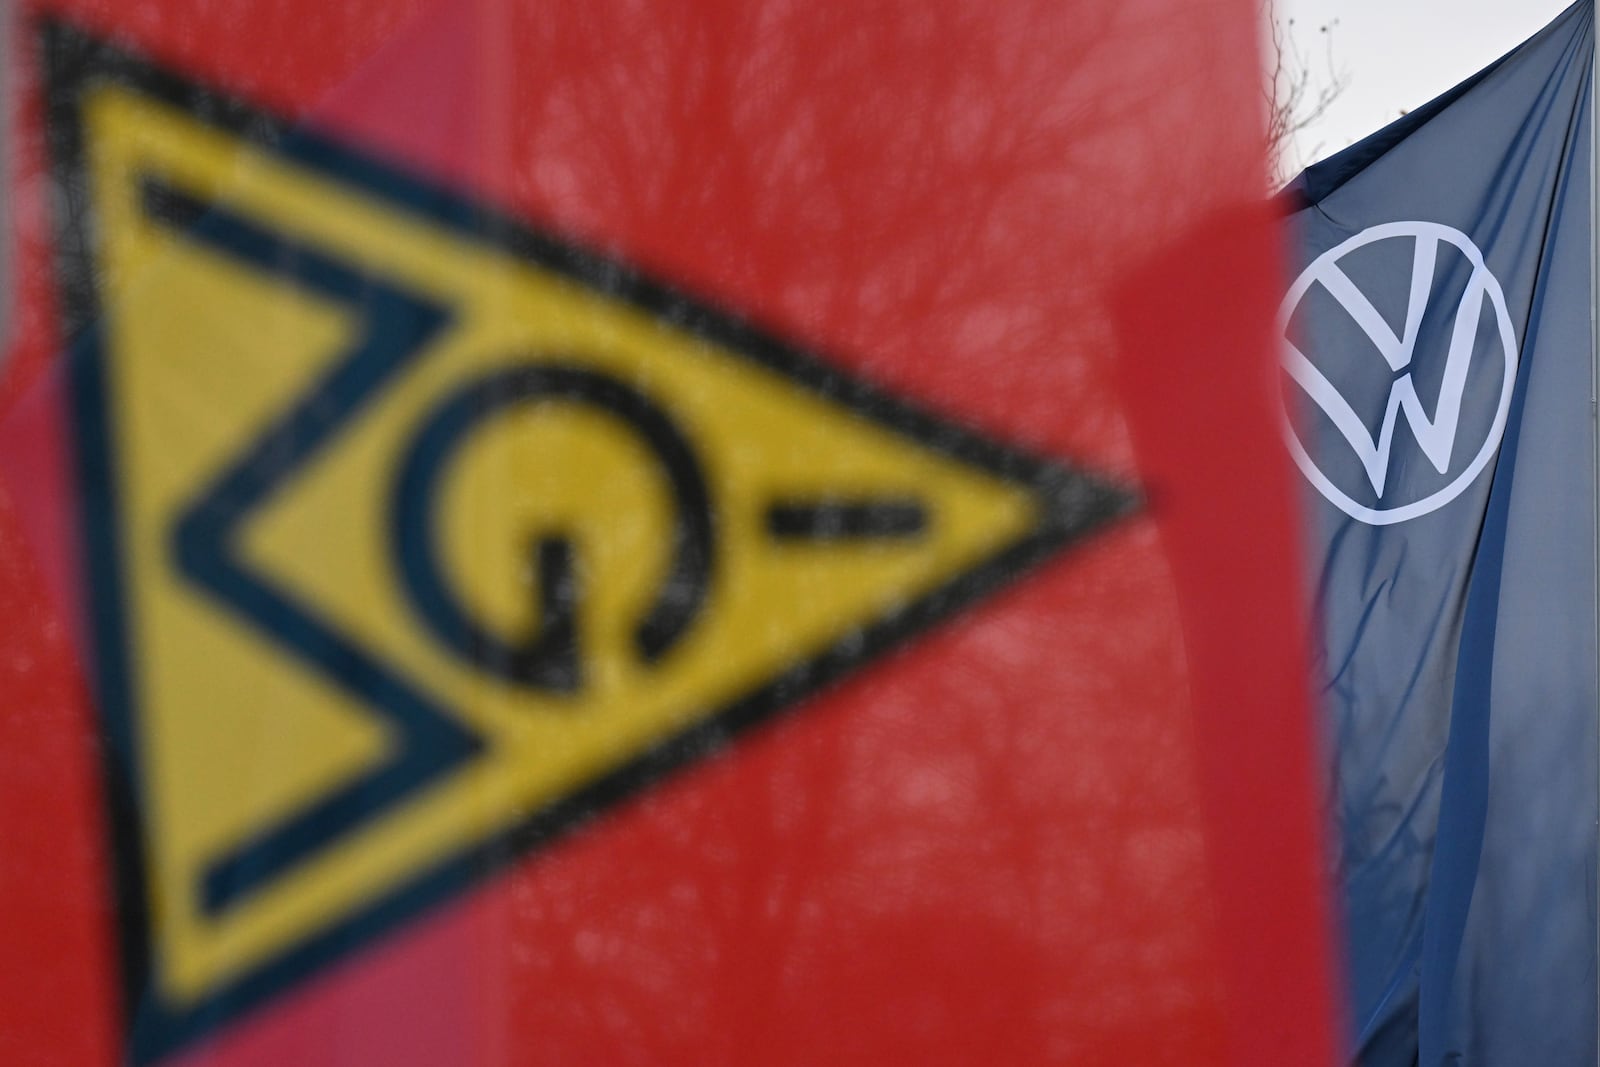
(1435, 435)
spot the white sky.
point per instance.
(1398, 54)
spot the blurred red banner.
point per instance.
(919, 356)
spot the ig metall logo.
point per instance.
(420, 537)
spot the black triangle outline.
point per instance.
(1074, 505)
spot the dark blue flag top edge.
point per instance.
(1457, 649)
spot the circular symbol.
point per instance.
(548, 657)
(1441, 343)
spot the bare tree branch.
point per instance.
(1301, 83)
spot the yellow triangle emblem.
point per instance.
(432, 534)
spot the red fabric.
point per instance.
(54, 1003)
(1075, 824)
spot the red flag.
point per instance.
(708, 533)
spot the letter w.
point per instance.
(1436, 435)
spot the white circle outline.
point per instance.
(1491, 444)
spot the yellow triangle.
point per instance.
(340, 527)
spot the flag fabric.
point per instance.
(1438, 379)
(702, 533)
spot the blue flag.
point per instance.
(1437, 379)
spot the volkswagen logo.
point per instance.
(1401, 340)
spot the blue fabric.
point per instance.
(1456, 605)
